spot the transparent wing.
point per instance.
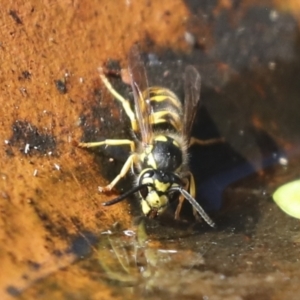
(139, 84)
(192, 86)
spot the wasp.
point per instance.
(161, 127)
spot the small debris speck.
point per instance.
(274, 15)
(15, 16)
(23, 91)
(27, 148)
(106, 232)
(283, 161)
(26, 74)
(190, 38)
(57, 167)
(272, 65)
(129, 232)
(61, 86)
(167, 251)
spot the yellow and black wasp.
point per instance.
(161, 128)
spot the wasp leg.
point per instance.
(181, 200)
(128, 164)
(125, 103)
(109, 143)
(192, 191)
(195, 141)
(189, 184)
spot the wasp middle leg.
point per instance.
(109, 143)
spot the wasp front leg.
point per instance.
(128, 164)
(126, 167)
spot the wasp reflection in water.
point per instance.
(129, 259)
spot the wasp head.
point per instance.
(155, 193)
(155, 188)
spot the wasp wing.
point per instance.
(139, 84)
(192, 86)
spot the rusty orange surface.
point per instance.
(43, 192)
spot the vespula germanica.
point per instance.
(161, 128)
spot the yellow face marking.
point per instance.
(161, 186)
(154, 201)
(147, 180)
(145, 207)
(163, 202)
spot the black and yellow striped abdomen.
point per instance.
(166, 108)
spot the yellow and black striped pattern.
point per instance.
(161, 127)
(166, 107)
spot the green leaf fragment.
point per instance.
(287, 197)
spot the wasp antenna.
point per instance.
(195, 204)
(124, 196)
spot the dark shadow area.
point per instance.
(82, 245)
(31, 140)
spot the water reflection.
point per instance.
(132, 259)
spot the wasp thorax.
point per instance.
(165, 154)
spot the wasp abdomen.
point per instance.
(166, 108)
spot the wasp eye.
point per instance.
(144, 192)
(148, 174)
